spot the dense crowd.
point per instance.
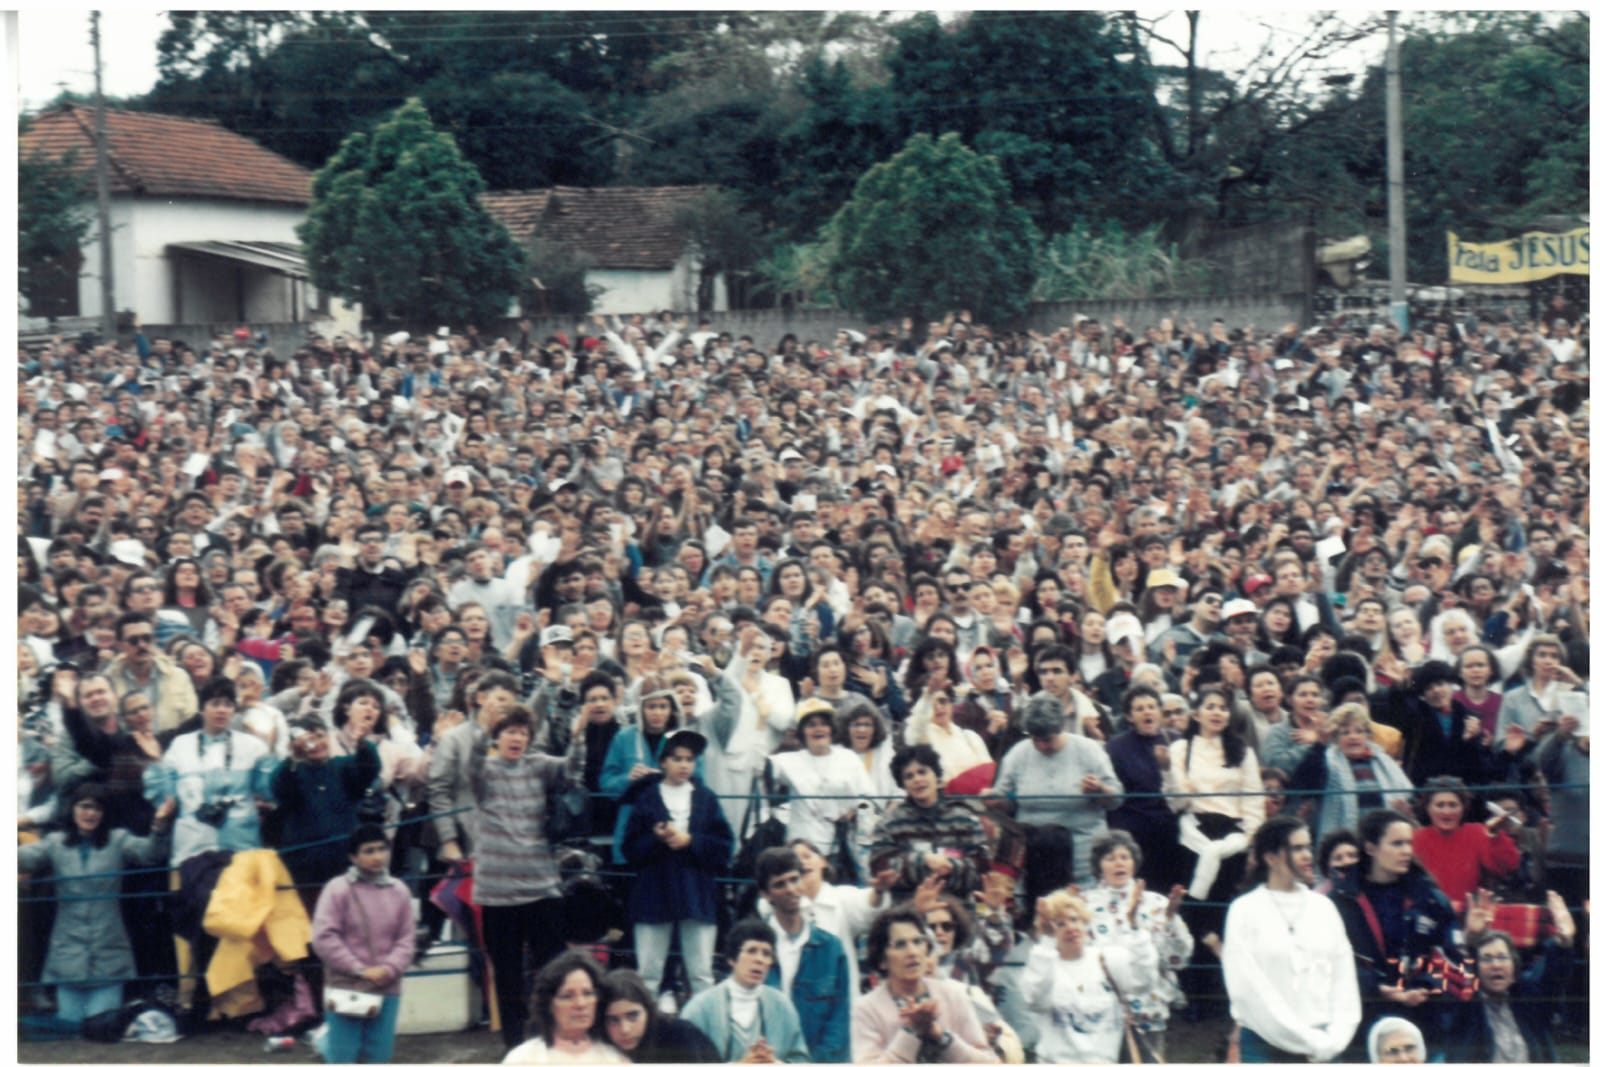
(960, 695)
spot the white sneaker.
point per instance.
(668, 1004)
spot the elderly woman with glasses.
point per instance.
(1509, 1020)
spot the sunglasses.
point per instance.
(943, 927)
(140, 639)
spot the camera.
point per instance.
(215, 812)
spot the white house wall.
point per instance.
(630, 291)
(145, 278)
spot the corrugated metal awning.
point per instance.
(279, 256)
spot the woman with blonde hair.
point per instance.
(1357, 775)
(1077, 990)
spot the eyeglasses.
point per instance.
(452, 641)
(904, 943)
(1214, 601)
(370, 539)
(1496, 958)
(143, 587)
(140, 639)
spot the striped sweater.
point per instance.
(512, 861)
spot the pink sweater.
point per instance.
(876, 1035)
(341, 930)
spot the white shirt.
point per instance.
(677, 798)
(1077, 1009)
(1290, 971)
(829, 787)
(789, 949)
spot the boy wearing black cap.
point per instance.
(678, 841)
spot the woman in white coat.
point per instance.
(1288, 966)
(1077, 990)
(827, 780)
(754, 709)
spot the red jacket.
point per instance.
(1459, 861)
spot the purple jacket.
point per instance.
(341, 930)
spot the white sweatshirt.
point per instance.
(1290, 971)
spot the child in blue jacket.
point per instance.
(678, 841)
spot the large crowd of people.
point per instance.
(959, 695)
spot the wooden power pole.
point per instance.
(102, 180)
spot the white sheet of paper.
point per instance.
(1576, 705)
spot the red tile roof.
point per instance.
(163, 155)
(620, 228)
(519, 211)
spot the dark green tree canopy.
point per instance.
(1096, 119)
(932, 230)
(395, 223)
(54, 213)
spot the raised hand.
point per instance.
(996, 892)
(1565, 926)
(1480, 914)
(926, 898)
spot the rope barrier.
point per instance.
(776, 799)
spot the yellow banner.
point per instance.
(1522, 259)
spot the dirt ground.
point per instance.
(1188, 1043)
(471, 1046)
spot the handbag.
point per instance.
(757, 834)
(347, 1000)
(566, 814)
(843, 860)
(352, 1003)
(1135, 1046)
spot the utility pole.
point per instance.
(102, 181)
(1398, 310)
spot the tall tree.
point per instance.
(932, 229)
(54, 214)
(1046, 94)
(842, 129)
(1475, 162)
(395, 223)
(1223, 134)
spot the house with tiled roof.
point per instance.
(203, 219)
(639, 256)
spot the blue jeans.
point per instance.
(352, 1040)
(1252, 1049)
(75, 1003)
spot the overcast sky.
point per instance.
(53, 49)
